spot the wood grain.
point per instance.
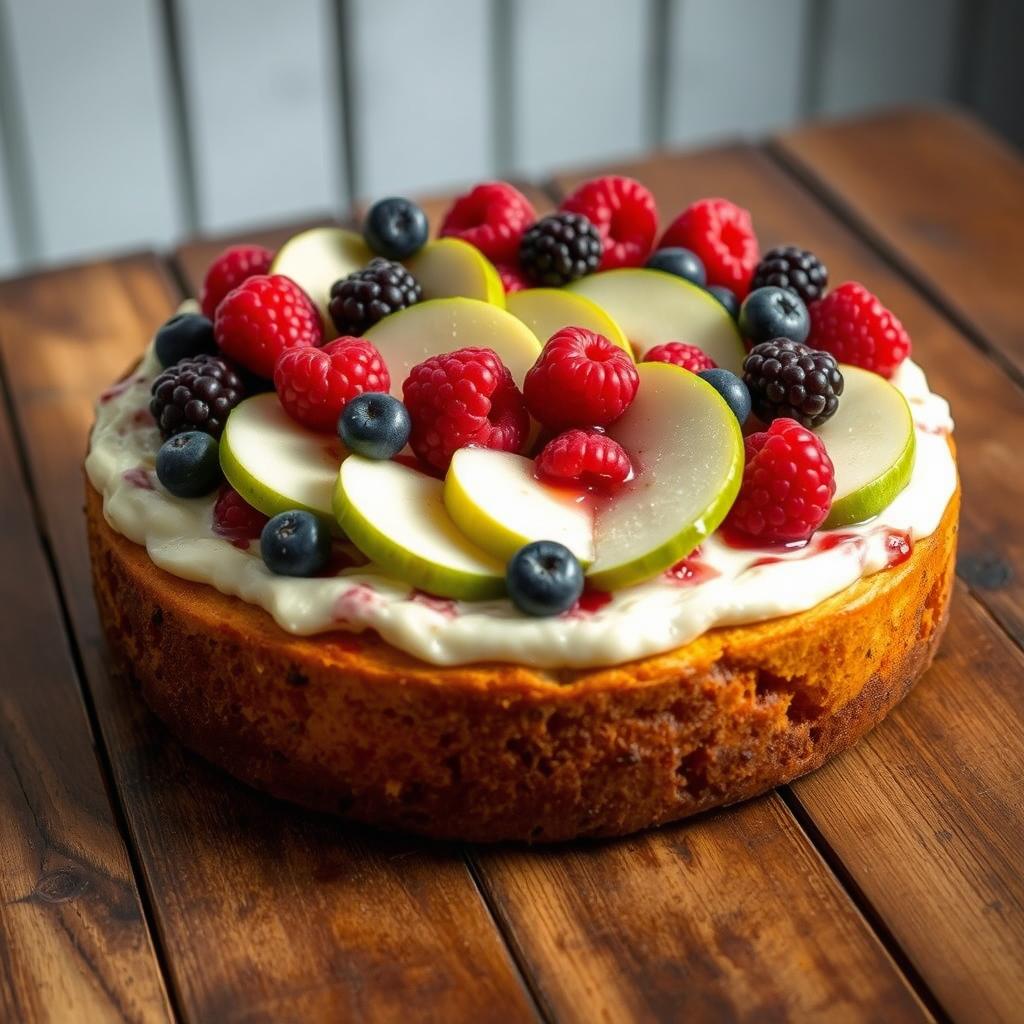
(265, 912)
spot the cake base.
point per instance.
(347, 724)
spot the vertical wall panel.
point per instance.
(580, 82)
(421, 94)
(263, 109)
(997, 88)
(92, 77)
(7, 250)
(734, 67)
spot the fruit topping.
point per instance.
(462, 398)
(547, 310)
(732, 390)
(195, 394)
(560, 248)
(689, 357)
(797, 270)
(769, 313)
(722, 235)
(368, 295)
(315, 384)
(682, 262)
(794, 381)
(586, 459)
(493, 217)
(187, 464)
(856, 328)
(375, 426)
(295, 543)
(624, 213)
(512, 277)
(229, 270)
(727, 297)
(395, 228)
(450, 267)
(182, 337)
(234, 518)
(580, 380)
(261, 318)
(787, 487)
(544, 578)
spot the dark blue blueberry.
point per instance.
(732, 389)
(395, 228)
(727, 297)
(183, 336)
(544, 578)
(295, 543)
(681, 262)
(188, 464)
(375, 426)
(770, 313)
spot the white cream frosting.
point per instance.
(732, 586)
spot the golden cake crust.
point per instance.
(348, 724)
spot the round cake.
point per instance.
(596, 607)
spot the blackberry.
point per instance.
(368, 295)
(559, 249)
(195, 394)
(787, 378)
(797, 270)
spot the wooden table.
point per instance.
(138, 883)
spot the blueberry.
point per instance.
(184, 335)
(770, 313)
(681, 262)
(732, 389)
(295, 543)
(188, 464)
(395, 228)
(727, 297)
(374, 425)
(544, 578)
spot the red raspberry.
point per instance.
(235, 519)
(512, 277)
(722, 235)
(788, 484)
(229, 270)
(261, 318)
(580, 379)
(315, 384)
(462, 398)
(586, 458)
(493, 217)
(624, 213)
(856, 328)
(689, 357)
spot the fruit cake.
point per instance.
(547, 527)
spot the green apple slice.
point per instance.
(450, 267)
(276, 464)
(653, 307)
(442, 325)
(872, 445)
(497, 502)
(316, 258)
(547, 310)
(687, 451)
(396, 516)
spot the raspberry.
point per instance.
(493, 217)
(689, 357)
(512, 277)
(584, 457)
(580, 379)
(229, 270)
(624, 214)
(235, 519)
(788, 484)
(195, 394)
(262, 317)
(722, 235)
(315, 384)
(856, 328)
(560, 248)
(790, 380)
(462, 398)
(381, 288)
(797, 270)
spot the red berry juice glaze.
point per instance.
(690, 571)
(139, 477)
(442, 605)
(900, 546)
(591, 601)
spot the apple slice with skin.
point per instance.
(653, 307)
(547, 310)
(872, 445)
(495, 499)
(449, 267)
(396, 516)
(274, 463)
(687, 451)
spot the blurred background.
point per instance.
(133, 123)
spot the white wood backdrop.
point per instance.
(131, 123)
